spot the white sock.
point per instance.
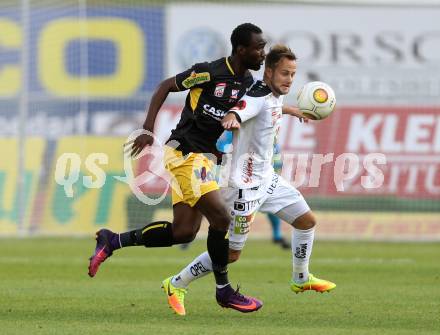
(302, 244)
(198, 268)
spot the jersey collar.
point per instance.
(229, 66)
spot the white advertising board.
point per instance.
(368, 54)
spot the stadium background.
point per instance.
(75, 77)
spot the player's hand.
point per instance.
(301, 116)
(140, 143)
(294, 111)
(230, 122)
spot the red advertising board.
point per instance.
(356, 151)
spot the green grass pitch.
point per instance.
(382, 289)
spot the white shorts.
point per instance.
(276, 196)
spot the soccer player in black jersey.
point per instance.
(214, 88)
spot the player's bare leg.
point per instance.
(302, 244)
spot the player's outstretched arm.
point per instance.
(294, 111)
(157, 100)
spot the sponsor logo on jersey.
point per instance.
(248, 169)
(242, 224)
(234, 94)
(219, 90)
(273, 184)
(214, 112)
(245, 206)
(196, 78)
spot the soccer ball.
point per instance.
(316, 100)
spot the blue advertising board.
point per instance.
(120, 50)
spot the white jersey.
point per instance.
(260, 114)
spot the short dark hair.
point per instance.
(242, 35)
(276, 53)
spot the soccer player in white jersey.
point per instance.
(253, 184)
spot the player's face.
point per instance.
(253, 55)
(281, 77)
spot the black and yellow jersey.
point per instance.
(214, 90)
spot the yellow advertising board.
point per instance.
(10, 202)
(83, 195)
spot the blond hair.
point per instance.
(276, 53)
